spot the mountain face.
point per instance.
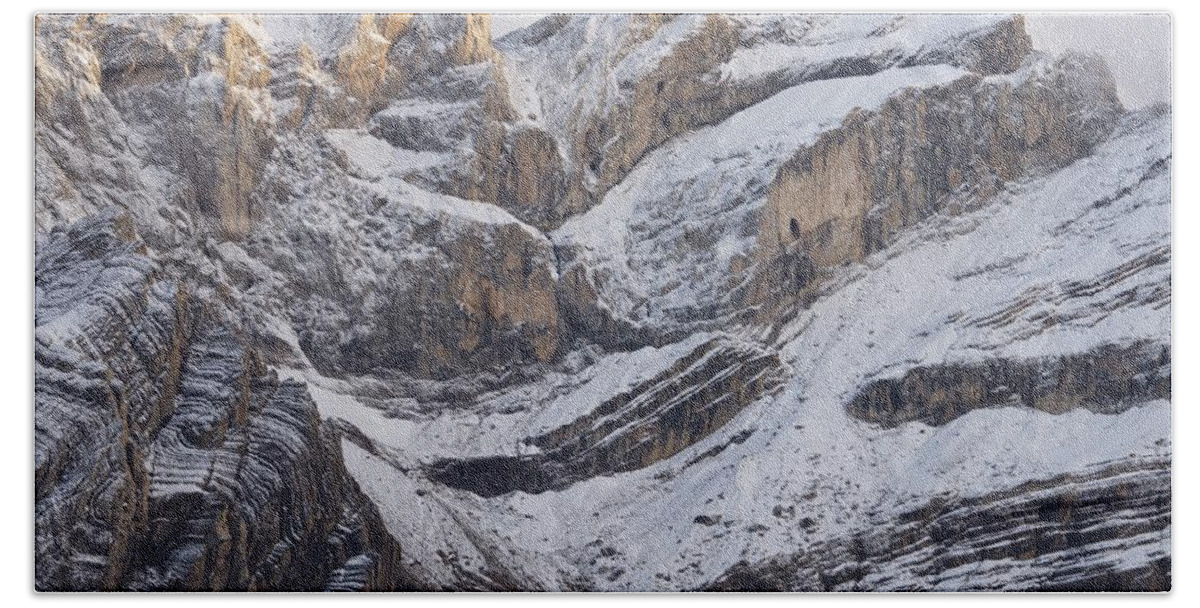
(614, 302)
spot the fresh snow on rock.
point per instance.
(410, 308)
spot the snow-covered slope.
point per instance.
(616, 302)
(795, 472)
(713, 177)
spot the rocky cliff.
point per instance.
(658, 418)
(1127, 502)
(167, 455)
(612, 302)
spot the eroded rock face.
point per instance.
(1044, 535)
(651, 422)
(363, 65)
(206, 97)
(198, 86)
(487, 310)
(750, 237)
(669, 74)
(1108, 380)
(670, 98)
(1000, 49)
(205, 102)
(211, 98)
(83, 157)
(198, 468)
(522, 170)
(851, 192)
(367, 62)
(361, 200)
(390, 277)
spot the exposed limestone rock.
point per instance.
(439, 286)
(358, 201)
(475, 44)
(198, 86)
(245, 131)
(582, 312)
(362, 65)
(488, 309)
(1044, 535)
(375, 60)
(998, 50)
(395, 73)
(213, 95)
(717, 237)
(520, 169)
(676, 95)
(651, 422)
(308, 91)
(847, 195)
(688, 85)
(81, 146)
(514, 165)
(1109, 380)
(196, 467)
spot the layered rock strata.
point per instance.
(167, 456)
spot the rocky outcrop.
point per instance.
(1045, 535)
(670, 74)
(670, 98)
(373, 60)
(742, 305)
(488, 310)
(363, 64)
(430, 83)
(209, 95)
(1108, 380)
(521, 169)
(83, 154)
(849, 194)
(167, 456)
(755, 233)
(584, 314)
(397, 279)
(198, 86)
(212, 97)
(653, 421)
(999, 49)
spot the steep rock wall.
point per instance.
(396, 278)
(852, 191)
(167, 457)
(687, 87)
(197, 86)
(83, 154)
(674, 96)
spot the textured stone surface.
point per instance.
(613, 302)
(1108, 380)
(1022, 534)
(166, 455)
(654, 421)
